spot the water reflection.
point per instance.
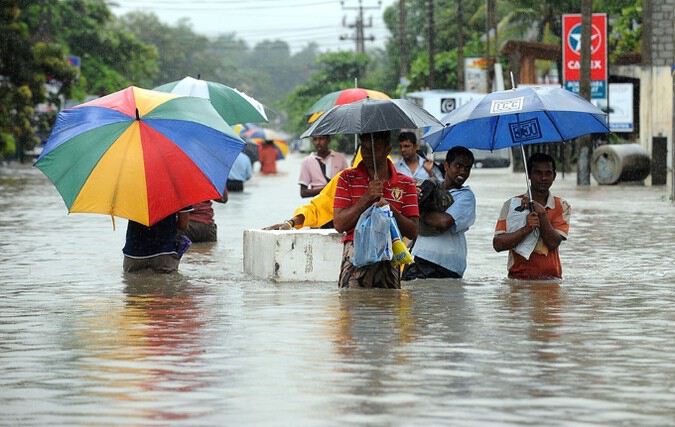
(365, 314)
(147, 349)
(542, 303)
(82, 344)
(371, 331)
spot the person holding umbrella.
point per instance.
(159, 247)
(532, 229)
(141, 155)
(374, 181)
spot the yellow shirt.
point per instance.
(319, 210)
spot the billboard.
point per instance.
(620, 108)
(571, 51)
(475, 75)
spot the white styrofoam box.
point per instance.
(291, 256)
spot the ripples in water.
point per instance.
(83, 344)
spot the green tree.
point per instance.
(626, 32)
(268, 71)
(28, 61)
(335, 71)
(181, 52)
(111, 57)
(532, 20)
(415, 36)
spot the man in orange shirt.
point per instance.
(546, 226)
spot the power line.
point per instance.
(202, 18)
(192, 8)
(359, 25)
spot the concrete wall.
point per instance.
(657, 86)
(656, 110)
(304, 255)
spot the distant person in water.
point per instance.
(241, 171)
(319, 167)
(268, 158)
(202, 226)
(533, 234)
(411, 163)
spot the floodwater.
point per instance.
(83, 344)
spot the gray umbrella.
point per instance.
(371, 115)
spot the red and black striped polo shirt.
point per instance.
(399, 191)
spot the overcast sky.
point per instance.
(298, 22)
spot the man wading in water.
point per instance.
(546, 225)
(374, 180)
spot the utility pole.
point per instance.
(584, 144)
(403, 42)
(491, 35)
(431, 36)
(359, 25)
(460, 45)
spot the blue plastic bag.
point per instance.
(372, 237)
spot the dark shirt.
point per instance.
(147, 242)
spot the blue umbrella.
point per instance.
(515, 117)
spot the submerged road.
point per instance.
(81, 343)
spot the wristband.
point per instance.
(291, 223)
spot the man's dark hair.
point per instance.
(455, 152)
(407, 136)
(540, 158)
(384, 134)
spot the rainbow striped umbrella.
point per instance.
(139, 154)
(340, 97)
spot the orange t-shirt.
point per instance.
(544, 263)
(268, 159)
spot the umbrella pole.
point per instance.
(562, 158)
(527, 178)
(372, 150)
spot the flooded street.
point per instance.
(83, 344)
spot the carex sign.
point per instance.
(511, 105)
(571, 45)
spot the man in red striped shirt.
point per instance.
(374, 181)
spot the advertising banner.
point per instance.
(620, 107)
(571, 48)
(475, 75)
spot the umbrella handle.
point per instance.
(372, 150)
(527, 180)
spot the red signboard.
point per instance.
(571, 41)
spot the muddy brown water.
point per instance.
(83, 344)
